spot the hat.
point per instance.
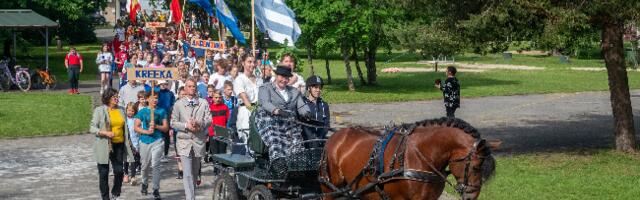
(283, 71)
(160, 82)
(314, 80)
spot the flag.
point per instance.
(229, 20)
(205, 4)
(134, 8)
(176, 13)
(277, 20)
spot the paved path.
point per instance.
(62, 167)
(526, 123)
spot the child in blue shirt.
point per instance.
(151, 142)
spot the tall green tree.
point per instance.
(560, 24)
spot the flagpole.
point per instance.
(253, 27)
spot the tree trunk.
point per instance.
(310, 59)
(355, 57)
(370, 64)
(345, 58)
(326, 62)
(612, 50)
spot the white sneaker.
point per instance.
(164, 159)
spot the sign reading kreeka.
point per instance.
(148, 74)
(155, 24)
(207, 44)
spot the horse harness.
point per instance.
(375, 168)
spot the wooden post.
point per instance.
(253, 27)
(153, 108)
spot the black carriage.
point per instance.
(240, 176)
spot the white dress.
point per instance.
(242, 84)
(106, 56)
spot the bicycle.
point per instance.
(22, 79)
(44, 79)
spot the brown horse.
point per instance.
(429, 146)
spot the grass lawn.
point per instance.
(35, 58)
(590, 174)
(556, 77)
(419, 85)
(38, 114)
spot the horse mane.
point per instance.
(448, 122)
(488, 166)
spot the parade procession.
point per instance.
(319, 99)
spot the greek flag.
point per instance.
(277, 20)
(226, 17)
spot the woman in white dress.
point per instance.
(245, 86)
(103, 60)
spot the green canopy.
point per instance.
(26, 18)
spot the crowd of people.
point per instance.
(139, 120)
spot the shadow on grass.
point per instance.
(541, 136)
(412, 83)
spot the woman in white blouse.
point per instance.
(103, 60)
(245, 86)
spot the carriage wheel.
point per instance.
(260, 192)
(23, 80)
(225, 188)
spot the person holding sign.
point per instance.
(151, 127)
(191, 118)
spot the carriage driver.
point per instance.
(319, 117)
(279, 106)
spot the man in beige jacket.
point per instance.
(191, 118)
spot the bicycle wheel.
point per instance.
(53, 83)
(5, 81)
(23, 80)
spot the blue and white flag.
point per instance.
(205, 4)
(277, 20)
(229, 20)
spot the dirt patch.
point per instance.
(428, 69)
(498, 66)
(533, 53)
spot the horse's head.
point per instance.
(472, 167)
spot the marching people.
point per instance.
(245, 86)
(111, 142)
(151, 142)
(190, 117)
(451, 91)
(320, 115)
(231, 102)
(219, 117)
(166, 100)
(74, 65)
(129, 176)
(103, 60)
(129, 92)
(280, 104)
(296, 81)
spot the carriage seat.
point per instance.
(234, 160)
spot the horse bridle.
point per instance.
(461, 188)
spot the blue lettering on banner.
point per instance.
(207, 44)
(153, 74)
